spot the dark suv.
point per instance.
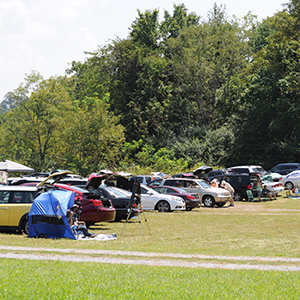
(240, 182)
(285, 168)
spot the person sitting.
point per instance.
(76, 225)
(267, 192)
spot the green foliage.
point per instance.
(144, 30)
(180, 92)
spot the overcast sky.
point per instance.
(46, 35)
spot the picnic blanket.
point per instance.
(98, 237)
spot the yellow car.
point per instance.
(15, 204)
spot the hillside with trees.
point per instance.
(175, 94)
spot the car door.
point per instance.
(4, 208)
(147, 199)
(20, 204)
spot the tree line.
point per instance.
(175, 94)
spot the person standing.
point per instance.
(259, 188)
(227, 186)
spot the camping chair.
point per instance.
(250, 195)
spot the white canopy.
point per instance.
(11, 166)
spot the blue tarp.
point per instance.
(47, 216)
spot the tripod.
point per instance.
(136, 200)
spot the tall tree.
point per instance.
(31, 129)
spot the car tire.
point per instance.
(209, 201)
(289, 185)
(163, 206)
(25, 226)
(238, 196)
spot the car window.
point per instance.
(259, 170)
(171, 182)
(139, 179)
(160, 190)
(156, 182)
(4, 196)
(204, 184)
(117, 193)
(180, 190)
(22, 197)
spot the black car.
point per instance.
(241, 183)
(192, 200)
(215, 174)
(285, 168)
(121, 202)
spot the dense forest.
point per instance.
(179, 92)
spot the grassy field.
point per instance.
(259, 229)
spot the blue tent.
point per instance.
(47, 216)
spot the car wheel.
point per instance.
(163, 206)
(238, 196)
(289, 185)
(25, 226)
(209, 201)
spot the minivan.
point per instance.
(285, 168)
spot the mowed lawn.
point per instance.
(254, 231)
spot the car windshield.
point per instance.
(150, 190)
(259, 170)
(204, 184)
(78, 189)
(180, 190)
(117, 192)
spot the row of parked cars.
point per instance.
(106, 199)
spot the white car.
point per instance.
(291, 180)
(161, 202)
(274, 187)
(152, 200)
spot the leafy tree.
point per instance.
(145, 29)
(93, 138)
(173, 24)
(31, 129)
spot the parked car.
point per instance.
(274, 187)
(291, 180)
(73, 181)
(145, 179)
(121, 202)
(15, 204)
(285, 168)
(192, 200)
(94, 207)
(210, 196)
(248, 170)
(152, 200)
(218, 174)
(240, 182)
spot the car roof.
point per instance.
(284, 164)
(17, 188)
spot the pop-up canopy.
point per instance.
(47, 216)
(11, 166)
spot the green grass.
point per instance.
(264, 229)
(59, 280)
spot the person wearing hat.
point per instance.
(75, 223)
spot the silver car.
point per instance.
(210, 196)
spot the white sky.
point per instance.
(46, 35)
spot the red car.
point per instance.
(94, 208)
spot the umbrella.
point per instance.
(11, 166)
